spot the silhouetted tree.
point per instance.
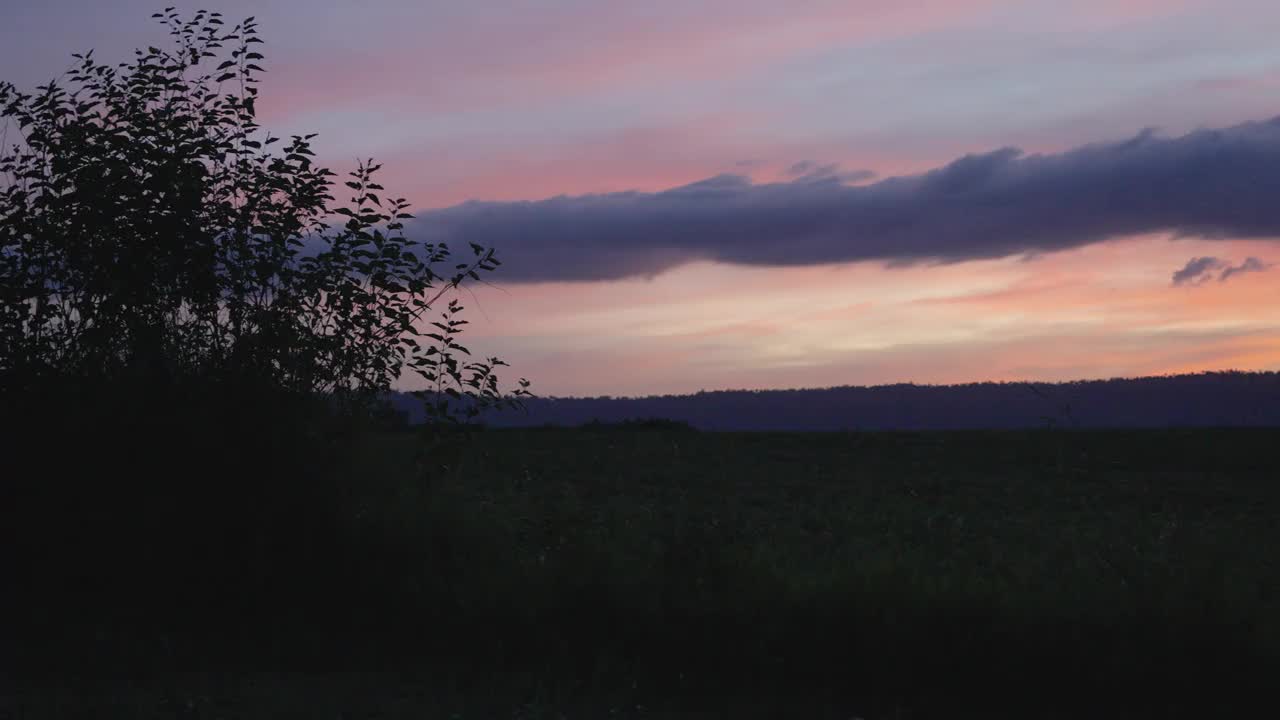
(187, 314)
(152, 233)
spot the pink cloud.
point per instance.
(644, 158)
(1110, 12)
(540, 57)
(457, 56)
(1266, 81)
(639, 158)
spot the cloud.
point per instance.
(1208, 184)
(801, 168)
(1200, 269)
(809, 170)
(1250, 264)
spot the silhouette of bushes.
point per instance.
(194, 334)
(151, 235)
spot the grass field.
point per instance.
(606, 572)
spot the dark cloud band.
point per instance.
(1209, 183)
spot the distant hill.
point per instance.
(1212, 399)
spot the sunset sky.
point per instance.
(763, 194)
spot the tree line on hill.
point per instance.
(1210, 399)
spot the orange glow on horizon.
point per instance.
(1096, 312)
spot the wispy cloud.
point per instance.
(1095, 311)
(534, 52)
(1250, 264)
(1199, 270)
(809, 170)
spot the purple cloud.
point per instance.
(1199, 269)
(1209, 184)
(1250, 264)
(809, 170)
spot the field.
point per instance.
(655, 571)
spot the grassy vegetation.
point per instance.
(642, 571)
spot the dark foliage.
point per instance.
(150, 235)
(194, 334)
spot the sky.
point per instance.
(755, 194)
